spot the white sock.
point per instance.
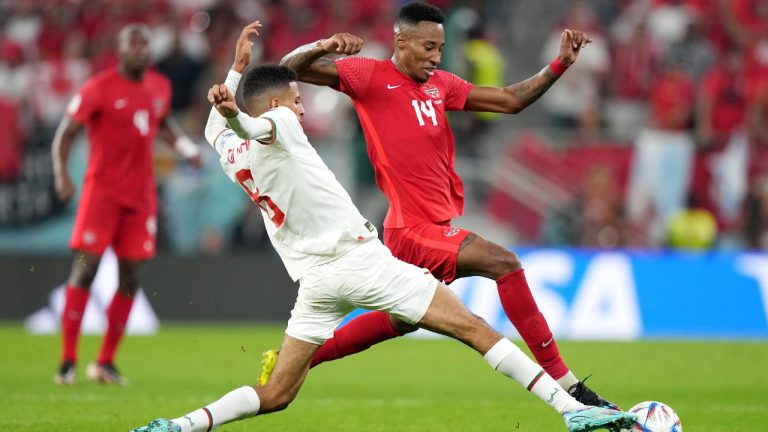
(567, 380)
(237, 404)
(507, 358)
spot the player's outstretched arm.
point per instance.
(308, 62)
(514, 98)
(62, 144)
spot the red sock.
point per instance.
(522, 311)
(117, 317)
(75, 300)
(357, 335)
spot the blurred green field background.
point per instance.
(404, 385)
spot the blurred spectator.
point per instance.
(720, 122)
(663, 154)
(484, 66)
(668, 21)
(755, 227)
(574, 103)
(695, 51)
(56, 79)
(634, 59)
(11, 142)
(23, 24)
(182, 69)
(746, 20)
(595, 218)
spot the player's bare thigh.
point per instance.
(480, 257)
(289, 374)
(447, 315)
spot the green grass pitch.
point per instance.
(403, 385)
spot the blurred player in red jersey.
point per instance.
(401, 104)
(123, 108)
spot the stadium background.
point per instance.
(554, 179)
(552, 182)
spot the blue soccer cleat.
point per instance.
(593, 418)
(159, 425)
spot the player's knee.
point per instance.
(402, 327)
(83, 274)
(129, 278)
(507, 262)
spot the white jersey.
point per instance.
(308, 215)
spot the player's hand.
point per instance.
(571, 43)
(342, 43)
(224, 101)
(244, 46)
(65, 189)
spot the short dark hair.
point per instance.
(414, 12)
(266, 77)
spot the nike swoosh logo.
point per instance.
(392, 87)
(546, 344)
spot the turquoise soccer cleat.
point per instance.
(594, 418)
(159, 425)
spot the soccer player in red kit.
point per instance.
(123, 109)
(401, 104)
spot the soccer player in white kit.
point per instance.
(327, 245)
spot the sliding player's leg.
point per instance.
(318, 310)
(480, 257)
(248, 401)
(447, 315)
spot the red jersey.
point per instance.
(728, 92)
(122, 118)
(410, 143)
(671, 102)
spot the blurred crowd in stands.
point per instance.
(657, 136)
(682, 85)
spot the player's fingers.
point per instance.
(252, 26)
(216, 93)
(343, 43)
(357, 43)
(354, 44)
(225, 93)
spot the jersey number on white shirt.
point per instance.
(426, 108)
(245, 178)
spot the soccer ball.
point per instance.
(653, 416)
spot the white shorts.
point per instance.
(367, 277)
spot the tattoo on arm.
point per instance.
(303, 56)
(530, 90)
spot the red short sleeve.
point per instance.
(354, 75)
(456, 92)
(85, 103)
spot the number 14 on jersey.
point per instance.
(424, 109)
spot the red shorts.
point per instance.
(434, 246)
(130, 231)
